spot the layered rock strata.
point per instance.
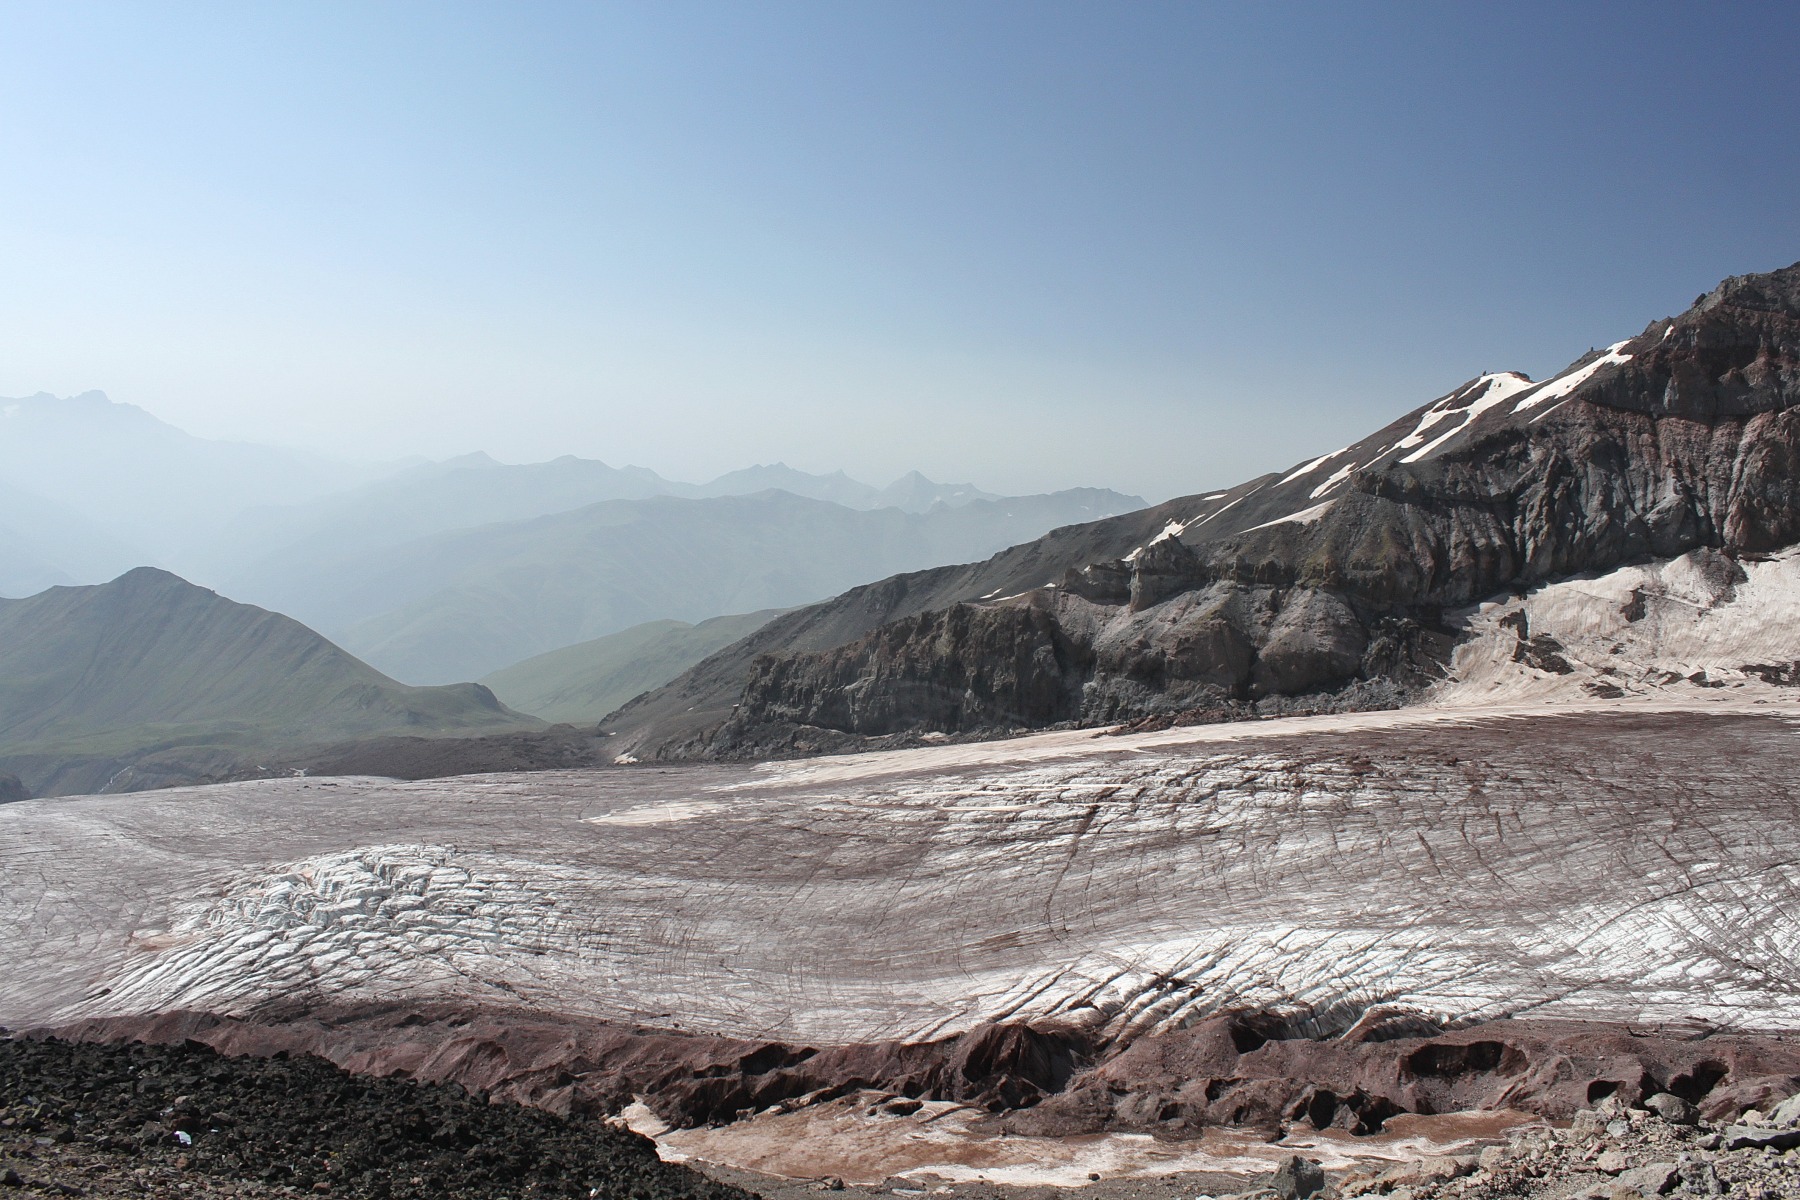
(1336, 585)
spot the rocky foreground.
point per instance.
(1610, 1152)
(136, 1120)
(132, 1120)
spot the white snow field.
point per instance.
(1694, 622)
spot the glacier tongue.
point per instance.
(1623, 861)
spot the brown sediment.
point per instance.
(1034, 1078)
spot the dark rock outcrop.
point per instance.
(11, 789)
(964, 667)
(1327, 587)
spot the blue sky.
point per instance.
(1159, 247)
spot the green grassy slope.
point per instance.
(582, 683)
(104, 674)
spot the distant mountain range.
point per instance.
(465, 602)
(44, 544)
(149, 672)
(1346, 582)
(609, 580)
(446, 571)
(1333, 585)
(107, 478)
(148, 485)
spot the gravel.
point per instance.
(185, 1121)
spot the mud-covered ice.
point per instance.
(1621, 862)
(860, 1143)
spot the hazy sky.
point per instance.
(1150, 246)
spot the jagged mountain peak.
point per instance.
(1334, 583)
(1770, 291)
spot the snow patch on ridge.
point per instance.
(1332, 481)
(1309, 468)
(1560, 387)
(1173, 529)
(1489, 390)
(1305, 516)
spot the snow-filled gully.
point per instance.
(1618, 862)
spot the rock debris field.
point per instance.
(184, 1121)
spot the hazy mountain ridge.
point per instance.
(146, 482)
(1331, 585)
(444, 570)
(226, 513)
(44, 544)
(467, 602)
(99, 680)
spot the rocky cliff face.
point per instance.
(1336, 584)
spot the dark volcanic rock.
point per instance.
(11, 789)
(270, 1124)
(1328, 586)
(1297, 1178)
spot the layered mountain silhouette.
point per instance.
(44, 544)
(146, 483)
(147, 676)
(463, 602)
(1335, 584)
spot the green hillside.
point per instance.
(582, 683)
(95, 679)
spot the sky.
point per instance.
(1156, 247)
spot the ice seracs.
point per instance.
(1438, 859)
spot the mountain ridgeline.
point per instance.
(115, 686)
(465, 602)
(1334, 585)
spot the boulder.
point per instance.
(1672, 1108)
(1748, 1137)
(1423, 1172)
(1651, 1180)
(1297, 1178)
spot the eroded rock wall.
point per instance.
(1335, 586)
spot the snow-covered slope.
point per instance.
(1700, 621)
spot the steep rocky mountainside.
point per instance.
(99, 681)
(1337, 584)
